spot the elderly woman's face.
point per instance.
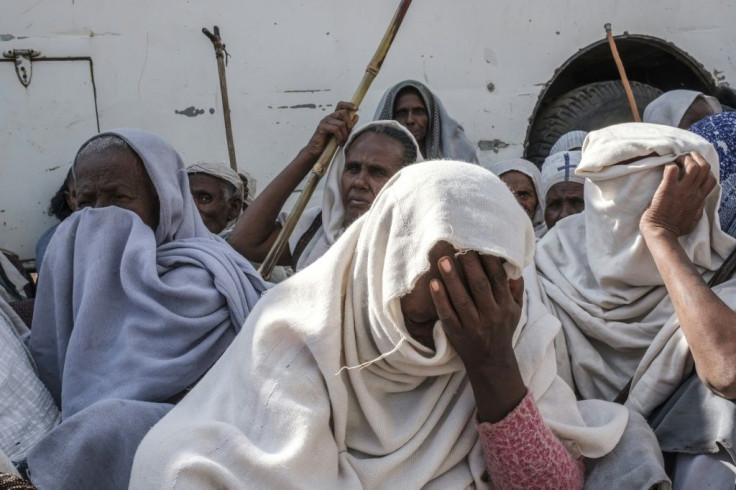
(116, 177)
(523, 189)
(370, 162)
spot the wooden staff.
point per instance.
(622, 74)
(324, 161)
(220, 54)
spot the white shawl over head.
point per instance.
(332, 209)
(669, 107)
(600, 276)
(325, 388)
(530, 170)
(569, 141)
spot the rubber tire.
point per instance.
(586, 108)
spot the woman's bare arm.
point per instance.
(708, 323)
(257, 229)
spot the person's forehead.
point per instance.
(205, 181)
(409, 98)
(565, 189)
(111, 164)
(374, 147)
(514, 177)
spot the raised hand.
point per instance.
(338, 124)
(678, 203)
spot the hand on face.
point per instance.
(480, 318)
(679, 201)
(338, 124)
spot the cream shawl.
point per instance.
(332, 209)
(601, 279)
(324, 388)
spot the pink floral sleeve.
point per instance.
(522, 452)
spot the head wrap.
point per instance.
(445, 136)
(355, 399)
(569, 141)
(250, 186)
(530, 170)
(560, 167)
(602, 279)
(130, 314)
(670, 107)
(720, 131)
(221, 171)
(332, 211)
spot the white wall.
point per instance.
(150, 59)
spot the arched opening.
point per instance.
(576, 96)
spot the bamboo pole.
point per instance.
(622, 73)
(220, 54)
(324, 161)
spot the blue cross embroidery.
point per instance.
(567, 167)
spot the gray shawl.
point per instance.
(126, 313)
(445, 136)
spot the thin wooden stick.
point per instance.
(220, 54)
(622, 74)
(324, 161)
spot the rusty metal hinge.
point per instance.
(22, 59)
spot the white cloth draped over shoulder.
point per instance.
(602, 280)
(669, 107)
(332, 209)
(530, 170)
(324, 388)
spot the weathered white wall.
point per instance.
(150, 60)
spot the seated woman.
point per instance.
(525, 182)
(367, 369)
(561, 187)
(627, 280)
(419, 110)
(370, 157)
(136, 301)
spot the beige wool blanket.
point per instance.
(324, 388)
(601, 279)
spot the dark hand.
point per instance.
(479, 320)
(338, 124)
(678, 203)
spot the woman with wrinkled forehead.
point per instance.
(136, 301)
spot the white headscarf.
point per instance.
(560, 167)
(326, 389)
(220, 170)
(530, 170)
(669, 107)
(601, 278)
(569, 141)
(250, 190)
(332, 209)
